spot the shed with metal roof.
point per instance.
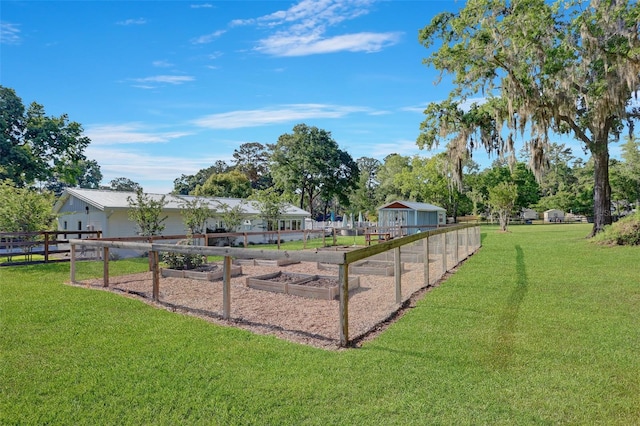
(411, 216)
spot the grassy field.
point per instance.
(539, 327)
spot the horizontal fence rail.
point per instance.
(446, 246)
(38, 247)
(226, 238)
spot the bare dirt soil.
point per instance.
(307, 321)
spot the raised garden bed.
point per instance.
(327, 266)
(265, 262)
(303, 285)
(210, 272)
(374, 267)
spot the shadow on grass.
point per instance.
(505, 340)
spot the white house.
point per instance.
(107, 211)
(554, 215)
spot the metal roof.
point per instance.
(106, 199)
(412, 205)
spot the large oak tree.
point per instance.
(36, 147)
(570, 67)
(309, 163)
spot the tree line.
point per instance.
(307, 168)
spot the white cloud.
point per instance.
(208, 38)
(304, 29)
(131, 133)
(155, 173)
(162, 64)
(267, 116)
(9, 33)
(147, 82)
(241, 22)
(312, 44)
(201, 6)
(127, 22)
(315, 13)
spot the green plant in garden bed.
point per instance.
(176, 260)
(538, 327)
(183, 261)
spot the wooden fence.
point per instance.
(467, 233)
(206, 239)
(42, 244)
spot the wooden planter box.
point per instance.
(324, 293)
(374, 267)
(264, 282)
(265, 262)
(327, 266)
(200, 275)
(295, 285)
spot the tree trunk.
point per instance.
(601, 190)
(311, 197)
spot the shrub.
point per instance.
(624, 232)
(183, 261)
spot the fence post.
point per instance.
(150, 241)
(456, 258)
(343, 278)
(398, 273)
(226, 288)
(467, 242)
(46, 247)
(72, 260)
(105, 266)
(425, 244)
(444, 253)
(154, 261)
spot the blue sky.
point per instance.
(167, 88)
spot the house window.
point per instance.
(296, 224)
(64, 225)
(79, 225)
(286, 225)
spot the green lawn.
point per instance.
(539, 327)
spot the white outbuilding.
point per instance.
(553, 215)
